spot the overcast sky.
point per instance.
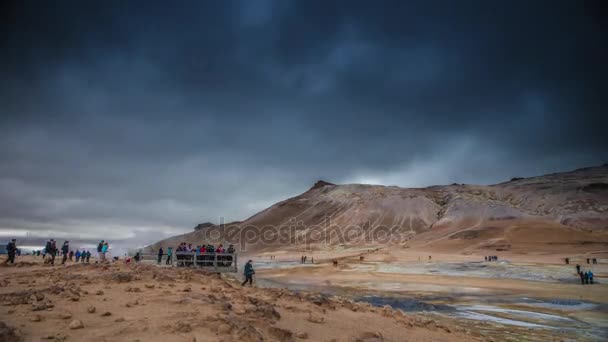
(139, 119)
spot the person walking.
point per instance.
(590, 277)
(586, 277)
(71, 256)
(65, 249)
(169, 255)
(83, 256)
(11, 250)
(249, 272)
(88, 256)
(582, 275)
(77, 256)
(160, 255)
(578, 268)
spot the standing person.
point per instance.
(65, 249)
(83, 256)
(230, 257)
(71, 256)
(249, 272)
(160, 255)
(169, 255)
(99, 248)
(77, 256)
(88, 256)
(586, 277)
(104, 250)
(11, 249)
(582, 275)
(590, 277)
(578, 268)
(53, 251)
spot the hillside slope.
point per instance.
(537, 213)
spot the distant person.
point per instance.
(587, 260)
(88, 256)
(485, 258)
(137, 257)
(77, 256)
(71, 256)
(160, 255)
(590, 277)
(578, 268)
(429, 258)
(83, 256)
(567, 260)
(11, 250)
(586, 277)
(594, 260)
(99, 248)
(230, 257)
(249, 272)
(104, 250)
(53, 251)
(169, 255)
(582, 275)
(65, 249)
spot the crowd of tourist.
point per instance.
(204, 254)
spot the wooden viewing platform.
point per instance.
(216, 262)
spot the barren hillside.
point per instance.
(538, 213)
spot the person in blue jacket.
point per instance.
(249, 272)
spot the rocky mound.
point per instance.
(570, 207)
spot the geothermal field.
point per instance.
(445, 263)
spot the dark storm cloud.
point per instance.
(140, 118)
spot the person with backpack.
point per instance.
(99, 248)
(65, 249)
(11, 249)
(77, 256)
(160, 255)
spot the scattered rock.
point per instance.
(8, 333)
(315, 318)
(122, 277)
(99, 292)
(302, 335)
(76, 324)
(149, 286)
(119, 319)
(91, 309)
(65, 315)
(224, 329)
(187, 289)
(370, 337)
(107, 313)
(281, 334)
(182, 327)
(36, 318)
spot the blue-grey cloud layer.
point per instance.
(141, 118)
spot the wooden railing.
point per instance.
(218, 262)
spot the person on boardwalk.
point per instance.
(11, 249)
(65, 249)
(160, 255)
(249, 272)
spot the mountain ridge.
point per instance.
(555, 205)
